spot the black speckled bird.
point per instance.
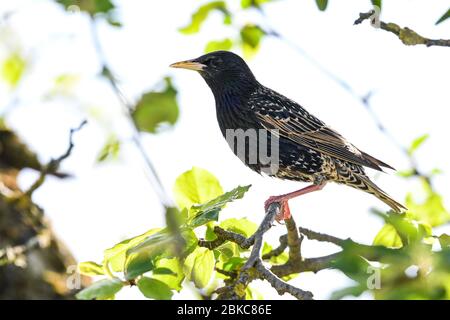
(309, 150)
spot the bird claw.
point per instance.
(269, 201)
(285, 212)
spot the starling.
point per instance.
(308, 149)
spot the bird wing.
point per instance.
(295, 123)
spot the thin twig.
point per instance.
(255, 269)
(313, 235)
(279, 285)
(54, 164)
(278, 250)
(407, 36)
(231, 274)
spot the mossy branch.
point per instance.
(408, 36)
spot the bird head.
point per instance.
(222, 71)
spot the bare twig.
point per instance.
(294, 241)
(224, 235)
(54, 164)
(312, 235)
(279, 285)
(278, 250)
(305, 265)
(231, 274)
(296, 263)
(407, 36)
(265, 225)
(254, 268)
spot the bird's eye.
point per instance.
(209, 61)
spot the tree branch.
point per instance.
(294, 241)
(254, 268)
(54, 164)
(305, 265)
(279, 285)
(278, 250)
(313, 235)
(407, 36)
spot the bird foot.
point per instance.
(285, 212)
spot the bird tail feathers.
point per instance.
(367, 185)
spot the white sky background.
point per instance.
(109, 202)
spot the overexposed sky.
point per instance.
(109, 202)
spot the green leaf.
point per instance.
(245, 4)
(353, 266)
(322, 4)
(191, 240)
(103, 289)
(95, 8)
(116, 255)
(409, 230)
(113, 21)
(163, 271)
(203, 218)
(266, 248)
(406, 173)
(444, 17)
(251, 36)
(430, 211)
(154, 289)
(227, 250)
(139, 263)
(13, 68)
(202, 13)
(196, 186)
(64, 84)
(139, 259)
(110, 150)
(376, 3)
(252, 294)
(444, 240)
(215, 45)
(242, 226)
(172, 280)
(90, 268)
(199, 266)
(280, 259)
(234, 263)
(92, 7)
(388, 237)
(417, 143)
(155, 108)
(355, 291)
(436, 172)
(210, 211)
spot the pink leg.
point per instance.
(283, 199)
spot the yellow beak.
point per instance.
(190, 65)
